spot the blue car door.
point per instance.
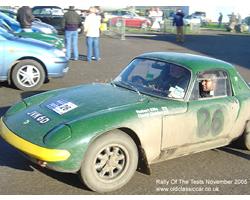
(2, 42)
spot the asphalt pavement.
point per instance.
(219, 171)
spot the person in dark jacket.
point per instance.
(178, 22)
(25, 18)
(220, 19)
(71, 22)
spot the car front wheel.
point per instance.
(246, 137)
(247, 140)
(28, 75)
(109, 162)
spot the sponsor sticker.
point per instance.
(151, 112)
(176, 92)
(62, 106)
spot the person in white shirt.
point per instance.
(92, 30)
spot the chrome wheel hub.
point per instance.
(28, 76)
(110, 162)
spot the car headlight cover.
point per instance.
(46, 30)
(59, 53)
(58, 135)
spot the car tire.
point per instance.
(28, 75)
(246, 136)
(247, 140)
(244, 140)
(110, 162)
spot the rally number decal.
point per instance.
(62, 106)
(204, 122)
(209, 124)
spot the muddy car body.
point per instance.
(105, 132)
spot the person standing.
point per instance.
(232, 22)
(71, 22)
(25, 18)
(239, 19)
(92, 26)
(156, 16)
(178, 22)
(220, 19)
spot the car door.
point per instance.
(207, 120)
(135, 21)
(129, 20)
(2, 42)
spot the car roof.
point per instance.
(7, 17)
(41, 7)
(7, 11)
(196, 63)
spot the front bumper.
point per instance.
(58, 68)
(32, 150)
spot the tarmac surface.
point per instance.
(219, 171)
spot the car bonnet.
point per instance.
(92, 100)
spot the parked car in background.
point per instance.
(27, 62)
(37, 25)
(153, 111)
(190, 19)
(131, 19)
(246, 24)
(52, 15)
(117, 13)
(201, 15)
(52, 39)
(246, 20)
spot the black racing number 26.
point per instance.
(209, 123)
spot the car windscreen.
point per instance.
(157, 78)
(48, 11)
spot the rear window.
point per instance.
(200, 13)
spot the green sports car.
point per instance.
(48, 38)
(52, 39)
(163, 105)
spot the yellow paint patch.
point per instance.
(41, 153)
(11, 50)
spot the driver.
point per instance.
(207, 85)
(177, 77)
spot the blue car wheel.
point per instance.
(28, 75)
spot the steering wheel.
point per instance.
(138, 80)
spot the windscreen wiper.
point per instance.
(131, 86)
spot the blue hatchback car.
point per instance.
(28, 62)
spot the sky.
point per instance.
(211, 7)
